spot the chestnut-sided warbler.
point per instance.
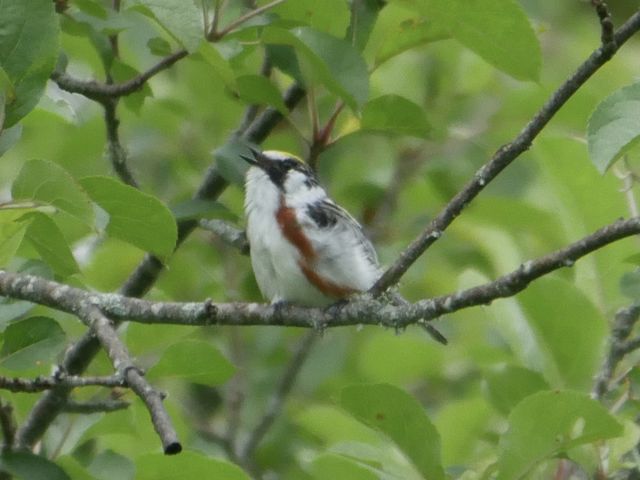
(305, 248)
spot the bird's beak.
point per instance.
(256, 159)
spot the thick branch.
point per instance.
(121, 360)
(364, 311)
(504, 156)
(101, 92)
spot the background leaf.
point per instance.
(192, 361)
(186, 465)
(28, 52)
(49, 242)
(26, 465)
(134, 216)
(31, 343)
(48, 183)
(182, 20)
(394, 114)
(334, 62)
(497, 30)
(614, 127)
(569, 419)
(399, 416)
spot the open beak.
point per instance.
(256, 158)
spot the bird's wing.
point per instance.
(325, 217)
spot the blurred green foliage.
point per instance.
(430, 90)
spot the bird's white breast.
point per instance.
(273, 258)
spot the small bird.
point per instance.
(305, 248)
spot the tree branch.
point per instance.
(228, 233)
(273, 409)
(40, 384)
(504, 156)
(101, 92)
(362, 311)
(121, 360)
(623, 323)
(98, 406)
(606, 24)
(214, 35)
(115, 151)
(8, 426)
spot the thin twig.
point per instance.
(362, 311)
(8, 426)
(40, 384)
(116, 153)
(100, 92)
(97, 406)
(214, 35)
(121, 360)
(606, 24)
(623, 323)
(504, 156)
(273, 409)
(228, 233)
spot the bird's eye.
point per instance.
(289, 164)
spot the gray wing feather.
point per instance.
(326, 214)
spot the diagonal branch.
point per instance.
(121, 360)
(274, 407)
(362, 311)
(101, 92)
(504, 156)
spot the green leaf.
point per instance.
(9, 137)
(134, 216)
(630, 285)
(27, 466)
(394, 114)
(109, 464)
(398, 415)
(195, 209)
(333, 62)
(159, 46)
(508, 385)
(364, 14)
(330, 16)
(409, 33)
(187, 465)
(220, 65)
(497, 30)
(548, 423)
(49, 242)
(182, 20)
(614, 127)
(259, 90)
(30, 343)
(11, 235)
(193, 361)
(331, 465)
(29, 46)
(568, 327)
(49, 183)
